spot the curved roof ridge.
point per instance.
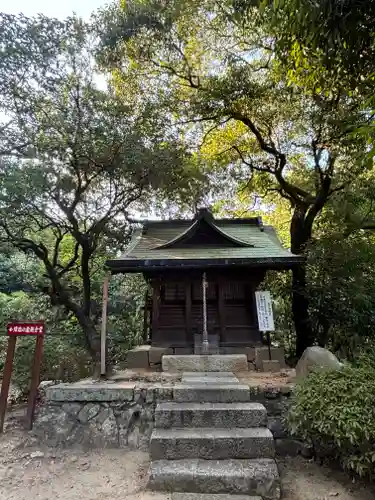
(194, 227)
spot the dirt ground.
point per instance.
(32, 472)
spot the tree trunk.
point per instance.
(300, 236)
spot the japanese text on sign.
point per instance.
(264, 311)
(30, 328)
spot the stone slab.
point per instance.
(117, 391)
(249, 351)
(216, 393)
(138, 357)
(216, 415)
(208, 374)
(210, 380)
(211, 443)
(210, 496)
(205, 363)
(258, 477)
(271, 365)
(262, 354)
(155, 353)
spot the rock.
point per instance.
(316, 357)
(37, 454)
(288, 447)
(138, 357)
(88, 412)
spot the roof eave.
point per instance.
(141, 265)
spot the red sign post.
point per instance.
(16, 328)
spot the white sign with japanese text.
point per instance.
(264, 311)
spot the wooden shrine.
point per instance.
(173, 255)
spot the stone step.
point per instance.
(257, 477)
(210, 496)
(205, 363)
(210, 380)
(199, 375)
(216, 415)
(211, 444)
(215, 393)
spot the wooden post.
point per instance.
(221, 311)
(205, 343)
(156, 285)
(6, 379)
(146, 337)
(34, 384)
(189, 334)
(103, 335)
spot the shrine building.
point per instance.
(202, 275)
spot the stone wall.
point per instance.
(277, 400)
(122, 415)
(101, 415)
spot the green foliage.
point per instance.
(341, 289)
(334, 410)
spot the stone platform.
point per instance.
(124, 410)
(205, 363)
(150, 357)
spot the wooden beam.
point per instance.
(189, 333)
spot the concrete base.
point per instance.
(202, 363)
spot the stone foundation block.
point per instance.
(205, 363)
(138, 357)
(155, 354)
(262, 354)
(272, 365)
(249, 351)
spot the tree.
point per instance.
(324, 44)
(86, 160)
(227, 86)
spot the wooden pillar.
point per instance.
(103, 335)
(146, 328)
(221, 311)
(156, 288)
(189, 332)
(6, 379)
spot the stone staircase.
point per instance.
(211, 442)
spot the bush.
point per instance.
(335, 412)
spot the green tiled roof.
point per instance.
(248, 242)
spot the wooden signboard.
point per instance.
(14, 329)
(265, 315)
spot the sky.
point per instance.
(52, 8)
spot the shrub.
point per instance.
(335, 412)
